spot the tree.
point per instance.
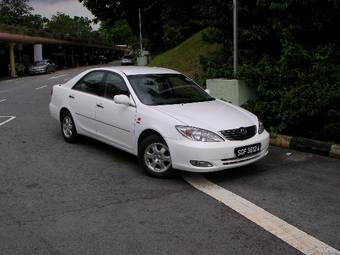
(36, 22)
(165, 23)
(14, 12)
(62, 25)
(289, 51)
(118, 33)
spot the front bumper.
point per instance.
(37, 71)
(220, 154)
(54, 111)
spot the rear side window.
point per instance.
(115, 85)
(91, 83)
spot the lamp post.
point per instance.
(140, 34)
(140, 25)
(235, 37)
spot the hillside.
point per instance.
(185, 57)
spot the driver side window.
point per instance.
(115, 85)
(91, 83)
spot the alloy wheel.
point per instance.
(67, 126)
(157, 157)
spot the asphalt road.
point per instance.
(89, 198)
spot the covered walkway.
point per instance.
(18, 51)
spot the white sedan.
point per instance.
(161, 116)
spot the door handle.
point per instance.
(100, 106)
(71, 96)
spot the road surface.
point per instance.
(89, 198)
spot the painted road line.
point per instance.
(8, 119)
(300, 240)
(56, 77)
(41, 87)
(8, 81)
(18, 80)
(3, 91)
(3, 100)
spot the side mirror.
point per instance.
(207, 90)
(123, 99)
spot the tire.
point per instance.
(154, 157)
(68, 128)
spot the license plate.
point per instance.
(248, 150)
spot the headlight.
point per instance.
(261, 127)
(198, 134)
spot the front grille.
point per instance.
(239, 134)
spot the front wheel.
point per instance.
(154, 157)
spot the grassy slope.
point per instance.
(185, 57)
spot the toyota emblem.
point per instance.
(243, 131)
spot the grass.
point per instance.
(185, 58)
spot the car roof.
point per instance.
(133, 70)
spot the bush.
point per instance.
(297, 94)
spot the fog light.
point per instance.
(200, 163)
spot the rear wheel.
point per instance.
(68, 128)
(154, 157)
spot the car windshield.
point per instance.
(160, 89)
(127, 57)
(40, 63)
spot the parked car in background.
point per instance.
(101, 59)
(161, 116)
(19, 68)
(127, 60)
(43, 66)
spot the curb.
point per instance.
(306, 145)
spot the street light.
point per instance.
(235, 37)
(140, 25)
(140, 34)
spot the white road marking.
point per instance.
(8, 81)
(3, 100)
(8, 119)
(300, 240)
(41, 87)
(19, 80)
(3, 91)
(58, 76)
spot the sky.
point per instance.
(47, 8)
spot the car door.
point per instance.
(83, 99)
(115, 122)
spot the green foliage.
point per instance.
(289, 51)
(180, 20)
(118, 33)
(63, 25)
(165, 23)
(186, 56)
(16, 17)
(111, 11)
(14, 12)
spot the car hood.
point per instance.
(211, 115)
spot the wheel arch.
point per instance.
(146, 133)
(62, 111)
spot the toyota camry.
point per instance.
(161, 116)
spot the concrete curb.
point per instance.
(306, 145)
